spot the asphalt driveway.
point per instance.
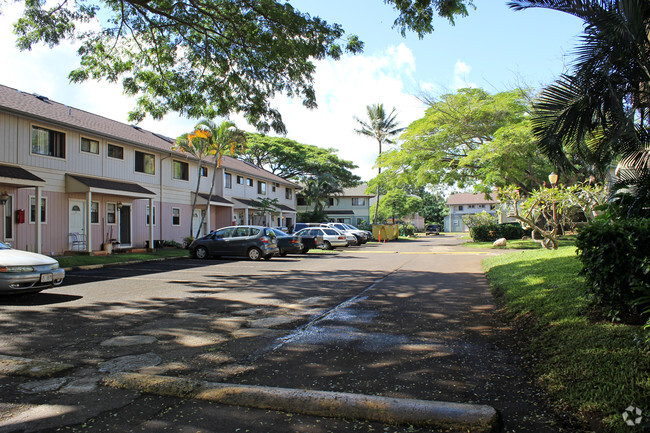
(410, 319)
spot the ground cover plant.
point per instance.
(73, 261)
(590, 367)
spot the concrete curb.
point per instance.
(16, 366)
(477, 418)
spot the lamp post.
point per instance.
(552, 178)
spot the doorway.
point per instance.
(77, 221)
(125, 225)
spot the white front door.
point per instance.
(196, 220)
(77, 217)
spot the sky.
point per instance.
(494, 48)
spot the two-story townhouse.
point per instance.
(467, 203)
(350, 207)
(65, 171)
(247, 185)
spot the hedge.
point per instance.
(492, 232)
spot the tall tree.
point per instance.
(469, 138)
(222, 138)
(601, 108)
(319, 189)
(382, 127)
(207, 58)
(290, 159)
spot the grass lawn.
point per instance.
(73, 261)
(590, 367)
(518, 244)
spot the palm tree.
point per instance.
(197, 145)
(600, 110)
(319, 189)
(221, 138)
(381, 127)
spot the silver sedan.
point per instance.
(25, 272)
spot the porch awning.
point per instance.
(216, 200)
(246, 202)
(284, 208)
(18, 176)
(84, 184)
(339, 212)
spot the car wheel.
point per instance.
(327, 245)
(254, 254)
(283, 253)
(201, 253)
(304, 250)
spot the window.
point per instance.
(241, 232)
(224, 233)
(330, 201)
(356, 201)
(94, 212)
(147, 217)
(460, 208)
(180, 170)
(301, 201)
(275, 185)
(145, 162)
(111, 213)
(89, 146)
(203, 171)
(9, 226)
(261, 187)
(114, 151)
(240, 180)
(471, 206)
(249, 182)
(176, 216)
(228, 180)
(47, 142)
(288, 194)
(32, 209)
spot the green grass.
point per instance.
(591, 368)
(517, 244)
(73, 261)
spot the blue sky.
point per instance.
(494, 48)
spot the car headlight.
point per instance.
(16, 269)
(54, 266)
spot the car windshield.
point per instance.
(4, 246)
(352, 227)
(340, 227)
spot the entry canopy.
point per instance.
(84, 184)
(214, 199)
(19, 177)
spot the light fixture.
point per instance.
(3, 198)
(553, 177)
(119, 205)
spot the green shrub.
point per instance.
(407, 230)
(492, 232)
(479, 219)
(616, 263)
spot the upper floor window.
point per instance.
(89, 146)
(204, 171)
(228, 180)
(145, 162)
(47, 142)
(114, 151)
(460, 207)
(357, 201)
(330, 201)
(288, 194)
(471, 206)
(249, 181)
(301, 201)
(261, 187)
(181, 170)
(240, 180)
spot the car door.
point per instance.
(219, 243)
(239, 241)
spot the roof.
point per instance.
(42, 108)
(339, 212)
(93, 182)
(357, 191)
(214, 198)
(470, 198)
(13, 172)
(284, 208)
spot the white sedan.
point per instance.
(25, 272)
(332, 238)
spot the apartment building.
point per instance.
(467, 203)
(64, 171)
(350, 207)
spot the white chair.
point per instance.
(77, 241)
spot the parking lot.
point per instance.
(411, 319)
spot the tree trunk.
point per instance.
(196, 193)
(374, 219)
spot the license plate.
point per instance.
(46, 278)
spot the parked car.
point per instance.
(310, 242)
(287, 243)
(367, 234)
(254, 242)
(332, 238)
(432, 229)
(25, 272)
(361, 236)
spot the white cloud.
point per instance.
(461, 71)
